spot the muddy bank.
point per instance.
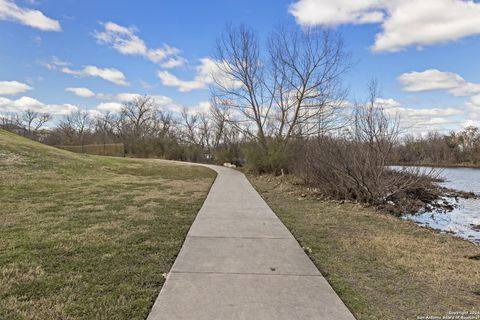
(427, 196)
(431, 198)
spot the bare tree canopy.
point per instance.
(290, 89)
(33, 121)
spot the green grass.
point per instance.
(89, 237)
(381, 267)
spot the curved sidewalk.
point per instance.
(240, 262)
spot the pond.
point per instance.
(464, 219)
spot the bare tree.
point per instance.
(190, 123)
(137, 118)
(292, 91)
(354, 164)
(80, 123)
(32, 121)
(306, 72)
(104, 128)
(7, 121)
(164, 123)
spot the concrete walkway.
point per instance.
(240, 262)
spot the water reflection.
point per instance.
(464, 220)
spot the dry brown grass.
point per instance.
(88, 237)
(381, 266)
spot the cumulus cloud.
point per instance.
(108, 74)
(27, 103)
(29, 17)
(206, 74)
(13, 87)
(170, 80)
(201, 107)
(127, 97)
(117, 101)
(125, 41)
(117, 98)
(173, 62)
(404, 22)
(163, 102)
(422, 119)
(473, 112)
(473, 105)
(433, 79)
(81, 92)
(110, 106)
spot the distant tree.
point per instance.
(104, 128)
(79, 123)
(33, 121)
(137, 118)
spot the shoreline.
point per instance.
(431, 165)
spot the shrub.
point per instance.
(273, 160)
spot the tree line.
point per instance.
(455, 148)
(277, 106)
(142, 126)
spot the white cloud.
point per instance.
(54, 63)
(173, 63)
(207, 72)
(127, 97)
(94, 113)
(13, 87)
(422, 119)
(25, 103)
(125, 41)
(201, 80)
(201, 107)
(472, 114)
(471, 123)
(474, 106)
(393, 106)
(433, 79)
(117, 101)
(110, 106)
(109, 74)
(404, 22)
(331, 12)
(387, 103)
(171, 80)
(29, 17)
(160, 54)
(81, 92)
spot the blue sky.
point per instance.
(58, 56)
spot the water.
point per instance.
(466, 215)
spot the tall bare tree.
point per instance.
(293, 89)
(137, 118)
(32, 121)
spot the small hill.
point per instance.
(83, 236)
(15, 149)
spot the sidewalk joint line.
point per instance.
(248, 273)
(236, 237)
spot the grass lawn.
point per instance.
(381, 267)
(88, 237)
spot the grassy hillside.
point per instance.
(88, 237)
